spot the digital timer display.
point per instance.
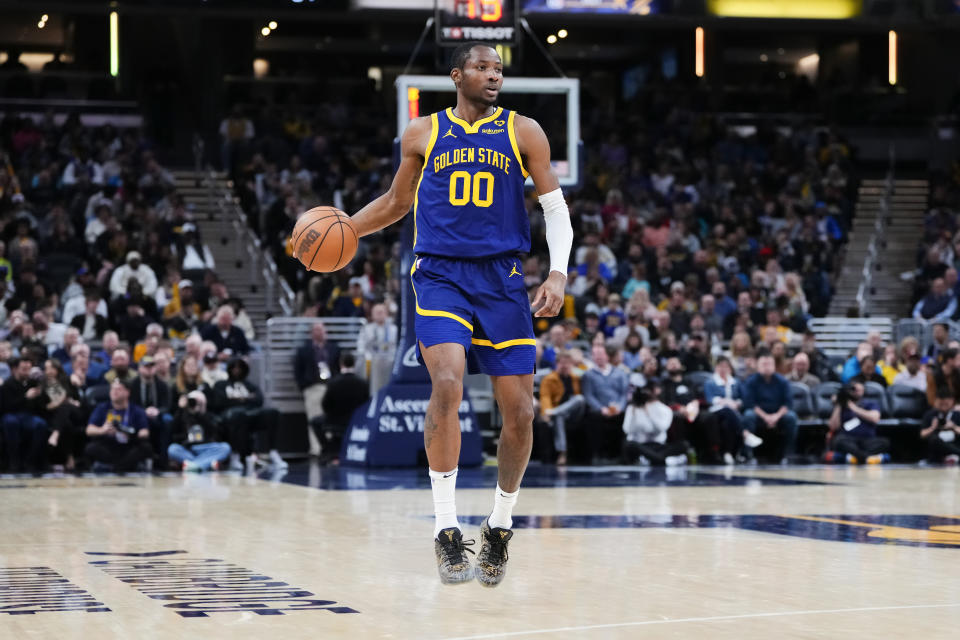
(485, 20)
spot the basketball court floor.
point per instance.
(598, 553)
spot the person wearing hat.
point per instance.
(133, 312)
(182, 314)
(134, 268)
(157, 401)
(119, 432)
(195, 446)
(196, 256)
(211, 372)
(239, 403)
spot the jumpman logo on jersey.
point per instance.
(514, 272)
(449, 133)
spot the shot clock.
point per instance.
(486, 20)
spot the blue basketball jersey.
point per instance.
(469, 201)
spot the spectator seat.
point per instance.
(907, 405)
(696, 380)
(803, 405)
(96, 395)
(878, 393)
(823, 395)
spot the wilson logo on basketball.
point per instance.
(308, 241)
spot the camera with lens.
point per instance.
(122, 428)
(845, 396)
(641, 396)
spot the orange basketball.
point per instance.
(324, 239)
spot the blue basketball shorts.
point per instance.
(480, 304)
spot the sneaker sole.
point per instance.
(458, 579)
(489, 582)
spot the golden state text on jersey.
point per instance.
(469, 200)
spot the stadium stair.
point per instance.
(217, 231)
(890, 296)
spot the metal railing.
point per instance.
(877, 241)
(251, 251)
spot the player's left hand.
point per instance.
(549, 296)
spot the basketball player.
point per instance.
(463, 171)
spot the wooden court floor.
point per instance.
(703, 553)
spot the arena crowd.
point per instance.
(700, 255)
(119, 346)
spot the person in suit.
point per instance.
(317, 360)
(345, 392)
(377, 345)
(230, 340)
(155, 397)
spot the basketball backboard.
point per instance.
(553, 102)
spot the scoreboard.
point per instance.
(485, 20)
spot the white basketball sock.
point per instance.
(444, 485)
(503, 502)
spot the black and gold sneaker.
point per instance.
(452, 561)
(492, 559)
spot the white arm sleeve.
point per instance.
(559, 231)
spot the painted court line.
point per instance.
(513, 634)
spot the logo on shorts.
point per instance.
(514, 272)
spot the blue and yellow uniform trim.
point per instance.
(470, 224)
(434, 130)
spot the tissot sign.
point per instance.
(486, 20)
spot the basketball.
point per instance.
(324, 239)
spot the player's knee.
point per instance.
(521, 416)
(447, 391)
